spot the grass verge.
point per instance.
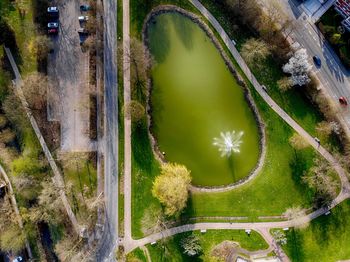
(326, 239)
(172, 250)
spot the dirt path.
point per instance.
(127, 123)
(147, 254)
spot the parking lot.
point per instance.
(68, 70)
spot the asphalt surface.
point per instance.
(110, 233)
(334, 77)
(68, 70)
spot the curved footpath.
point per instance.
(262, 227)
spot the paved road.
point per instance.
(110, 234)
(68, 92)
(262, 227)
(334, 77)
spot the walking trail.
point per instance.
(262, 227)
(57, 178)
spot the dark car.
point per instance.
(342, 101)
(52, 31)
(83, 31)
(317, 61)
(85, 8)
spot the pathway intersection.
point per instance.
(262, 227)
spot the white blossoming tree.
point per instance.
(228, 143)
(298, 66)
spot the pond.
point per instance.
(195, 97)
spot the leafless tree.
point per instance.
(255, 51)
(319, 178)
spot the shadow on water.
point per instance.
(184, 30)
(230, 162)
(158, 31)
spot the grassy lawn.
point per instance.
(80, 176)
(140, 9)
(25, 31)
(208, 241)
(279, 185)
(294, 101)
(136, 255)
(326, 238)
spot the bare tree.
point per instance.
(294, 213)
(7, 136)
(320, 179)
(153, 220)
(284, 84)
(255, 51)
(3, 121)
(134, 110)
(140, 61)
(34, 89)
(49, 208)
(40, 46)
(298, 142)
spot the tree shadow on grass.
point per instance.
(230, 162)
(326, 227)
(298, 167)
(141, 148)
(295, 246)
(39, 8)
(8, 38)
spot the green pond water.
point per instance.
(194, 97)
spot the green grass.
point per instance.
(25, 31)
(208, 241)
(84, 182)
(136, 255)
(294, 102)
(326, 239)
(144, 169)
(275, 189)
(140, 9)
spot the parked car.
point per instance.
(52, 25)
(83, 31)
(53, 11)
(317, 61)
(83, 18)
(85, 7)
(342, 100)
(52, 31)
(18, 259)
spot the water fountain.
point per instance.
(228, 143)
